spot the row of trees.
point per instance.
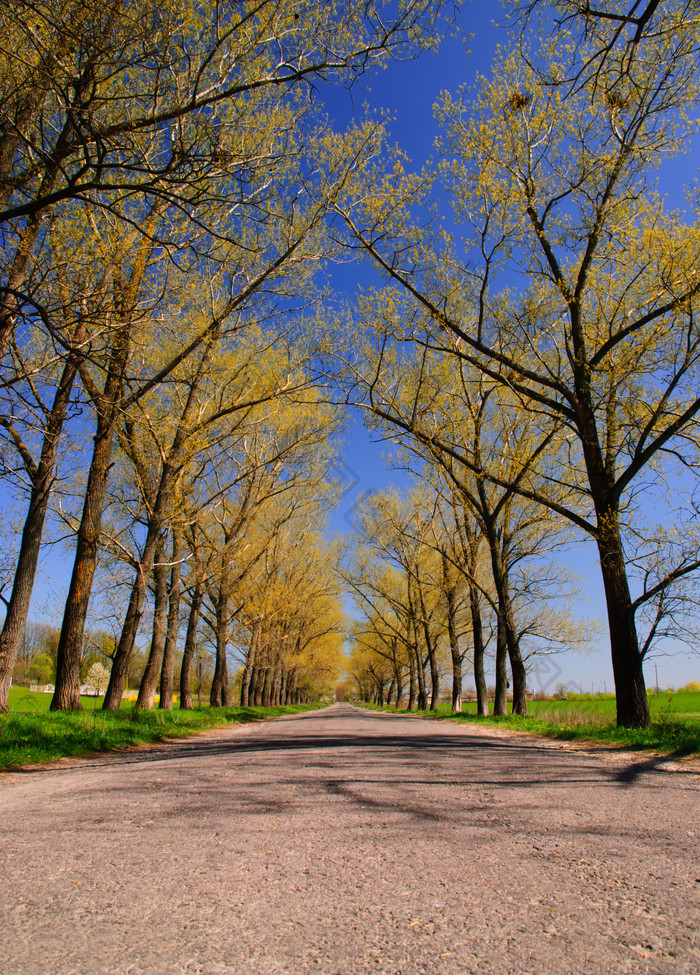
(444, 580)
(166, 180)
(548, 356)
(168, 192)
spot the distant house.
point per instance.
(86, 690)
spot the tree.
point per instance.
(97, 677)
(395, 532)
(94, 120)
(610, 34)
(41, 669)
(600, 341)
(290, 624)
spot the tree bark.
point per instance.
(292, 688)
(249, 665)
(630, 688)
(246, 678)
(482, 702)
(450, 597)
(70, 644)
(411, 681)
(154, 666)
(506, 617)
(500, 701)
(219, 686)
(134, 612)
(473, 544)
(398, 676)
(266, 689)
(422, 699)
(166, 674)
(191, 642)
(431, 651)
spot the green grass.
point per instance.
(675, 725)
(30, 734)
(24, 701)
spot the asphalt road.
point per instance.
(343, 842)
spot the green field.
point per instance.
(24, 701)
(675, 721)
(31, 734)
(600, 709)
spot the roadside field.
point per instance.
(675, 721)
(600, 709)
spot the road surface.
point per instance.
(344, 842)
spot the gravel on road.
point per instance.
(345, 842)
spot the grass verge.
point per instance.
(29, 739)
(670, 732)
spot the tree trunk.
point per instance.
(630, 687)
(266, 689)
(411, 681)
(154, 666)
(257, 686)
(482, 703)
(108, 407)
(500, 701)
(166, 674)
(252, 684)
(431, 651)
(132, 620)
(219, 686)
(473, 545)
(250, 662)
(422, 699)
(70, 644)
(283, 688)
(276, 687)
(506, 616)
(450, 596)
(245, 677)
(398, 677)
(190, 643)
(168, 479)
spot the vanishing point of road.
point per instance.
(345, 842)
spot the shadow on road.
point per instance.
(486, 761)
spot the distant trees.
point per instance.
(97, 677)
(436, 583)
(36, 660)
